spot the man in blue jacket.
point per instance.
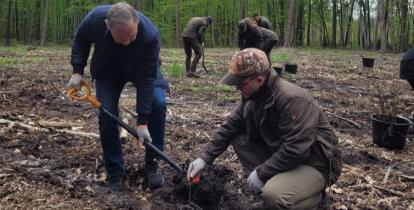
(127, 48)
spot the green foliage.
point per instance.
(175, 70)
(225, 88)
(280, 57)
(16, 61)
(196, 88)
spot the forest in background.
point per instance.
(385, 25)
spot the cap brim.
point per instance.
(232, 80)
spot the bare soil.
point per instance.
(50, 169)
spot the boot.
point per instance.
(191, 74)
(117, 183)
(154, 177)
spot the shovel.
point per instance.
(94, 101)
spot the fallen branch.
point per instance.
(343, 118)
(22, 125)
(384, 181)
(57, 124)
(394, 192)
(79, 133)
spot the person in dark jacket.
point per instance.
(126, 49)
(407, 67)
(193, 40)
(262, 21)
(250, 35)
(283, 140)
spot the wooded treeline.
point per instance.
(385, 25)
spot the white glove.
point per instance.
(75, 81)
(254, 181)
(195, 168)
(143, 133)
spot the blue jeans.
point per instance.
(108, 91)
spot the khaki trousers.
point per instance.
(300, 188)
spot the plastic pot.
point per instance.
(390, 132)
(368, 62)
(291, 68)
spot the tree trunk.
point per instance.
(45, 31)
(8, 25)
(309, 22)
(37, 21)
(282, 19)
(369, 34)
(341, 22)
(16, 20)
(177, 24)
(362, 25)
(299, 24)
(291, 22)
(334, 17)
(348, 28)
(243, 9)
(403, 26)
(324, 41)
(383, 26)
(137, 5)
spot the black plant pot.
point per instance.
(291, 68)
(368, 62)
(278, 70)
(390, 132)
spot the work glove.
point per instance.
(75, 81)
(195, 168)
(143, 133)
(254, 181)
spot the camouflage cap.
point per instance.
(245, 63)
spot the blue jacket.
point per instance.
(140, 59)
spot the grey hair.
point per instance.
(120, 14)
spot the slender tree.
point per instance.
(309, 22)
(334, 17)
(348, 28)
(16, 21)
(8, 25)
(45, 27)
(137, 5)
(383, 26)
(282, 19)
(299, 24)
(243, 9)
(403, 26)
(177, 24)
(290, 26)
(37, 21)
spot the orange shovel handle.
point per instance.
(87, 97)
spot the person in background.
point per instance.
(407, 67)
(193, 40)
(126, 49)
(262, 21)
(283, 140)
(250, 35)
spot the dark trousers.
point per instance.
(267, 47)
(189, 45)
(108, 91)
(407, 72)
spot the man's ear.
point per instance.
(261, 79)
(107, 24)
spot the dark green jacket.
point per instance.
(290, 123)
(195, 28)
